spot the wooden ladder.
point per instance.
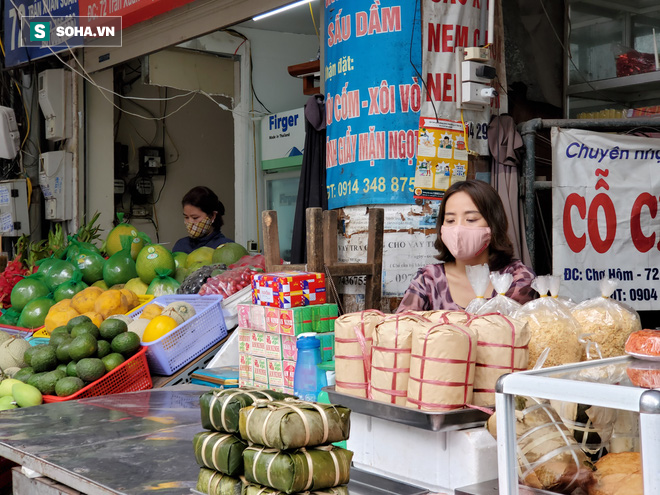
(322, 251)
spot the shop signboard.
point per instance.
(131, 11)
(282, 139)
(373, 97)
(447, 28)
(605, 218)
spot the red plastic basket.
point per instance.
(131, 376)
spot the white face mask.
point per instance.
(465, 243)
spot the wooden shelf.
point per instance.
(309, 72)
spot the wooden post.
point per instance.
(315, 240)
(374, 283)
(271, 239)
(330, 251)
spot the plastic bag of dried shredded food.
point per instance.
(551, 326)
(500, 303)
(479, 277)
(606, 322)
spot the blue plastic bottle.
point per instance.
(308, 379)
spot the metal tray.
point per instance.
(433, 421)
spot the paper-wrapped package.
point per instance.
(501, 348)
(212, 482)
(220, 408)
(220, 451)
(606, 322)
(549, 458)
(353, 337)
(300, 470)
(445, 316)
(254, 489)
(292, 424)
(442, 364)
(552, 326)
(390, 357)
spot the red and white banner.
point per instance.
(605, 218)
(447, 27)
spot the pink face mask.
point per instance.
(465, 243)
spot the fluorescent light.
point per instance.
(281, 9)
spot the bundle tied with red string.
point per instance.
(502, 347)
(442, 364)
(390, 357)
(353, 338)
(445, 316)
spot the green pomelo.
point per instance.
(91, 266)
(229, 253)
(113, 242)
(26, 290)
(179, 259)
(26, 395)
(83, 346)
(101, 284)
(90, 369)
(137, 286)
(34, 313)
(110, 328)
(68, 386)
(203, 255)
(6, 386)
(150, 259)
(68, 289)
(59, 272)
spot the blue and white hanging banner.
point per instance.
(373, 99)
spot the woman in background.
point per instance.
(202, 216)
(471, 230)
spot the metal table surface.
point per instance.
(133, 443)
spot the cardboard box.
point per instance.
(288, 289)
(257, 317)
(272, 319)
(287, 390)
(244, 340)
(327, 346)
(319, 318)
(245, 366)
(260, 385)
(289, 349)
(260, 370)
(245, 382)
(244, 315)
(258, 343)
(288, 368)
(275, 373)
(280, 346)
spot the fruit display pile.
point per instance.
(50, 283)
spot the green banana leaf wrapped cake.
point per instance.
(292, 424)
(214, 483)
(253, 489)
(220, 407)
(297, 471)
(222, 452)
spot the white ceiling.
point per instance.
(296, 20)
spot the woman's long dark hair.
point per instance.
(490, 206)
(206, 200)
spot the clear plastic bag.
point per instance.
(500, 303)
(605, 321)
(555, 285)
(479, 277)
(551, 326)
(229, 282)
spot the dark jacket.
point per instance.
(212, 240)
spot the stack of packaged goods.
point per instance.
(219, 449)
(260, 441)
(284, 306)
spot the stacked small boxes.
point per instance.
(267, 341)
